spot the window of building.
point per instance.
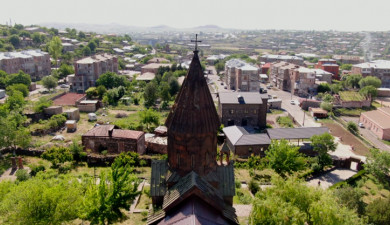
(246, 111)
(231, 111)
(255, 111)
(250, 149)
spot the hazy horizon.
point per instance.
(345, 15)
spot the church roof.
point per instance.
(157, 182)
(194, 110)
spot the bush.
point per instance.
(35, 169)
(65, 167)
(326, 106)
(237, 184)
(57, 155)
(244, 199)
(284, 121)
(128, 159)
(22, 175)
(56, 121)
(253, 186)
(352, 127)
(41, 104)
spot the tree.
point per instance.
(351, 198)
(86, 51)
(3, 79)
(336, 88)
(15, 101)
(164, 91)
(174, 86)
(114, 192)
(322, 88)
(346, 67)
(18, 87)
(100, 91)
(326, 106)
(92, 45)
(150, 94)
(378, 164)
(378, 211)
(111, 80)
(55, 48)
(292, 201)
(37, 38)
(284, 158)
(370, 81)
(13, 133)
(19, 78)
(149, 117)
(81, 35)
(41, 104)
(14, 40)
(65, 70)
(323, 144)
(220, 66)
(352, 127)
(49, 82)
(57, 155)
(369, 91)
(353, 80)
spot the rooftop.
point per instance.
(295, 133)
(239, 136)
(241, 97)
(380, 117)
(376, 64)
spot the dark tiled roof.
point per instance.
(102, 131)
(194, 110)
(295, 133)
(157, 181)
(155, 217)
(226, 180)
(99, 131)
(249, 97)
(254, 139)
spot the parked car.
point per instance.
(292, 102)
(361, 125)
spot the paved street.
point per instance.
(294, 110)
(368, 135)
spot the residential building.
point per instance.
(114, 140)
(348, 59)
(213, 58)
(67, 47)
(153, 67)
(280, 74)
(242, 76)
(89, 69)
(305, 81)
(265, 68)
(376, 68)
(36, 63)
(191, 186)
(378, 121)
(243, 109)
(330, 66)
(243, 144)
(351, 99)
(286, 58)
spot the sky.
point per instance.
(344, 15)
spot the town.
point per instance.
(217, 127)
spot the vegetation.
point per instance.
(352, 127)
(55, 48)
(351, 96)
(284, 121)
(323, 144)
(57, 155)
(49, 82)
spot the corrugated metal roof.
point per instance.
(254, 139)
(248, 97)
(295, 133)
(157, 181)
(234, 133)
(99, 131)
(226, 180)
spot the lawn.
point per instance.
(242, 175)
(351, 96)
(242, 197)
(285, 121)
(145, 200)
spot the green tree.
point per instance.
(370, 81)
(65, 70)
(322, 88)
(18, 87)
(19, 78)
(57, 155)
(352, 127)
(353, 80)
(326, 106)
(55, 48)
(351, 198)
(219, 66)
(15, 101)
(336, 88)
(92, 45)
(49, 82)
(3, 79)
(14, 40)
(111, 80)
(284, 158)
(292, 201)
(174, 86)
(369, 91)
(164, 91)
(346, 67)
(86, 51)
(100, 91)
(37, 38)
(13, 133)
(378, 211)
(149, 117)
(81, 35)
(150, 94)
(41, 104)
(323, 144)
(378, 164)
(114, 192)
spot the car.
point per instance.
(221, 83)
(64, 86)
(265, 91)
(292, 102)
(361, 125)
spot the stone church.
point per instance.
(190, 187)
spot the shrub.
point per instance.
(57, 155)
(22, 175)
(237, 184)
(284, 121)
(352, 127)
(65, 167)
(41, 104)
(253, 186)
(56, 121)
(127, 158)
(244, 199)
(35, 169)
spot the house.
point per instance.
(329, 65)
(67, 47)
(242, 108)
(376, 68)
(243, 144)
(156, 144)
(318, 112)
(158, 60)
(191, 186)
(114, 140)
(53, 110)
(89, 69)
(286, 58)
(305, 81)
(348, 59)
(213, 58)
(148, 76)
(378, 121)
(71, 125)
(305, 103)
(275, 103)
(73, 114)
(265, 68)
(88, 105)
(280, 74)
(153, 67)
(242, 76)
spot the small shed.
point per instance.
(318, 112)
(275, 103)
(73, 114)
(53, 110)
(92, 117)
(71, 125)
(2, 93)
(88, 106)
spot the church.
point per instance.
(190, 187)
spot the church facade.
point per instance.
(190, 186)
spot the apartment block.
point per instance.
(242, 76)
(348, 59)
(330, 66)
(89, 69)
(376, 68)
(36, 63)
(305, 81)
(286, 58)
(280, 74)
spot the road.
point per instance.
(294, 110)
(368, 135)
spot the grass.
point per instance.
(275, 111)
(144, 200)
(373, 191)
(386, 142)
(242, 175)
(351, 96)
(285, 121)
(242, 197)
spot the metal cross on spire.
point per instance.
(196, 42)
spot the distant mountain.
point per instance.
(123, 29)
